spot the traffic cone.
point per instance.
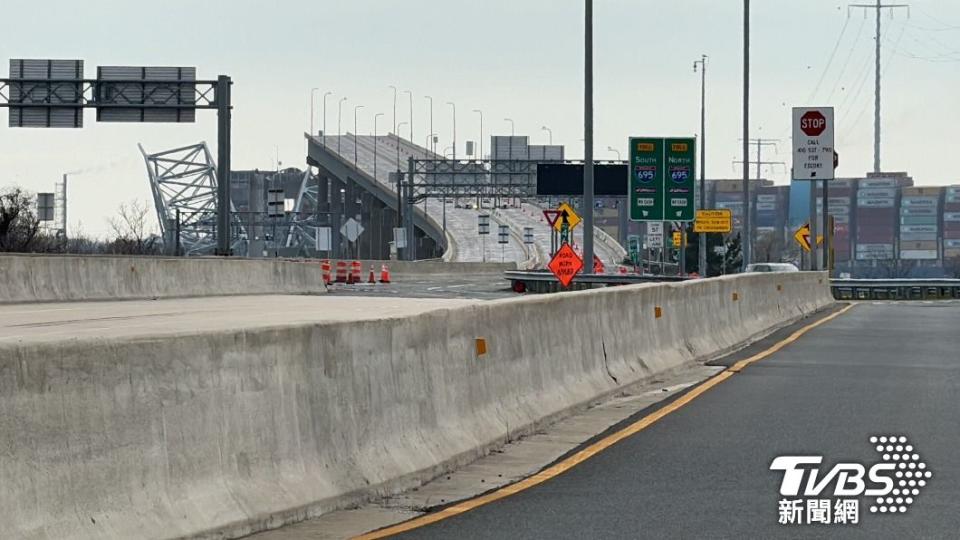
(325, 270)
(384, 274)
(341, 272)
(371, 278)
(597, 265)
(355, 270)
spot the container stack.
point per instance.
(876, 218)
(951, 223)
(839, 204)
(919, 223)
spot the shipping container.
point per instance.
(875, 203)
(841, 218)
(919, 220)
(877, 183)
(951, 216)
(884, 193)
(766, 198)
(916, 254)
(951, 207)
(920, 201)
(952, 243)
(952, 253)
(913, 237)
(918, 211)
(925, 244)
(921, 191)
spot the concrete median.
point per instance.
(222, 434)
(54, 278)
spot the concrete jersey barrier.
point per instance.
(219, 435)
(55, 278)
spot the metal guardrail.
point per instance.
(895, 289)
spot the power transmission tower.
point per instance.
(760, 143)
(879, 6)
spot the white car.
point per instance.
(772, 267)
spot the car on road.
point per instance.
(772, 267)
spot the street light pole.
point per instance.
(513, 130)
(703, 156)
(355, 142)
(339, 123)
(745, 235)
(430, 144)
(323, 139)
(313, 99)
(588, 137)
(411, 113)
(395, 112)
(454, 106)
(549, 133)
(612, 149)
(478, 111)
(375, 144)
(401, 124)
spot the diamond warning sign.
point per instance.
(566, 264)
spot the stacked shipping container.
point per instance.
(919, 223)
(839, 205)
(876, 217)
(951, 222)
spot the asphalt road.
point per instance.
(703, 471)
(488, 286)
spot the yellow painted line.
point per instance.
(736, 368)
(599, 446)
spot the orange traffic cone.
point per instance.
(371, 279)
(384, 274)
(325, 270)
(355, 269)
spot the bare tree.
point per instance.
(131, 230)
(19, 226)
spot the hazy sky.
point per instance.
(520, 59)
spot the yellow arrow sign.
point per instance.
(568, 215)
(802, 236)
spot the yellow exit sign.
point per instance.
(679, 147)
(645, 147)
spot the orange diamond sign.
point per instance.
(566, 264)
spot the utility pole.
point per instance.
(879, 6)
(395, 115)
(703, 156)
(745, 237)
(430, 145)
(411, 113)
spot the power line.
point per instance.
(833, 54)
(846, 63)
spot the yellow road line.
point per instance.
(599, 446)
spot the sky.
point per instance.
(518, 59)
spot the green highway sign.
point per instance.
(646, 179)
(679, 179)
(662, 178)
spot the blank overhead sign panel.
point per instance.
(567, 179)
(146, 94)
(46, 93)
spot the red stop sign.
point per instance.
(813, 123)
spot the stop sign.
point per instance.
(813, 123)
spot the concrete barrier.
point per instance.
(219, 435)
(53, 278)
